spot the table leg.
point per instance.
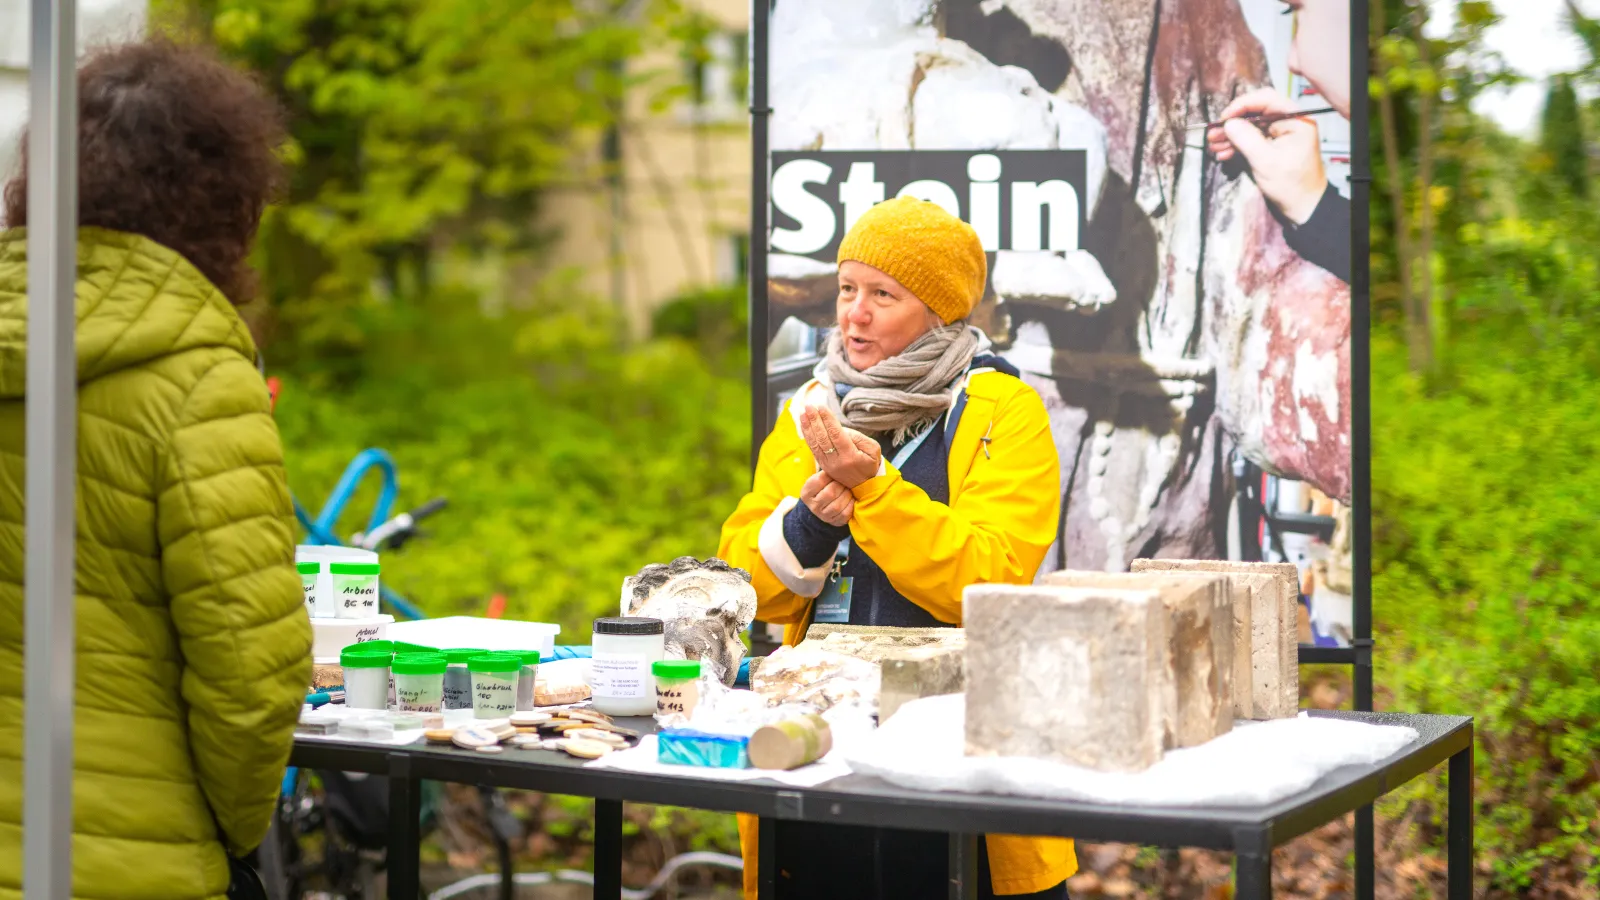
(767, 859)
(1365, 856)
(403, 862)
(608, 849)
(1458, 826)
(1252, 865)
(963, 867)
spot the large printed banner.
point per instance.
(1178, 295)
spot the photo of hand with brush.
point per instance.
(1280, 143)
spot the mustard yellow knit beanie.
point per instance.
(935, 255)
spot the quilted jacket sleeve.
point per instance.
(227, 558)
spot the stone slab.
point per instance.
(1076, 675)
(1201, 652)
(918, 672)
(1269, 594)
(872, 642)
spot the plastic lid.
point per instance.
(528, 657)
(352, 658)
(348, 568)
(419, 664)
(629, 625)
(372, 646)
(494, 662)
(676, 668)
(405, 647)
(459, 655)
(309, 568)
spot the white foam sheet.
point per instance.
(475, 631)
(922, 747)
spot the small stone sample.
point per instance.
(791, 743)
(529, 719)
(1266, 608)
(492, 748)
(559, 696)
(873, 642)
(806, 673)
(610, 738)
(706, 607)
(1199, 648)
(585, 749)
(439, 735)
(1076, 675)
(471, 737)
(586, 715)
(917, 672)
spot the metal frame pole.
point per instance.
(52, 418)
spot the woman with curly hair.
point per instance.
(193, 647)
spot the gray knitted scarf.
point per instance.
(903, 393)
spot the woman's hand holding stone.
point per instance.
(846, 455)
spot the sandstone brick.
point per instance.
(917, 672)
(1200, 650)
(1077, 675)
(1266, 602)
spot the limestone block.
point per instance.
(1266, 605)
(918, 672)
(873, 642)
(1200, 625)
(1077, 675)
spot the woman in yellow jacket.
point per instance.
(915, 464)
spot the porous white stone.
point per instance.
(1199, 625)
(1266, 606)
(1077, 675)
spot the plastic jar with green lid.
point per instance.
(457, 680)
(419, 682)
(309, 572)
(366, 677)
(494, 684)
(526, 678)
(677, 686)
(355, 589)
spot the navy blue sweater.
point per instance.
(873, 600)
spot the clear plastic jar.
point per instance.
(494, 684)
(355, 589)
(457, 680)
(619, 670)
(526, 678)
(310, 572)
(677, 687)
(419, 683)
(366, 677)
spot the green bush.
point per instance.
(570, 457)
(1485, 494)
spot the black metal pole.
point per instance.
(608, 850)
(1253, 874)
(1458, 826)
(964, 866)
(1361, 413)
(403, 863)
(760, 15)
(767, 855)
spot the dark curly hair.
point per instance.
(177, 146)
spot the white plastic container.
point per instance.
(355, 589)
(493, 635)
(310, 573)
(419, 683)
(494, 684)
(366, 678)
(619, 670)
(526, 680)
(326, 606)
(331, 636)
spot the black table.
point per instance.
(1251, 833)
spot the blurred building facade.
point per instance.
(99, 22)
(662, 206)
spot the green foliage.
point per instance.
(570, 458)
(421, 129)
(1561, 137)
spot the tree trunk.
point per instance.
(1423, 351)
(1397, 185)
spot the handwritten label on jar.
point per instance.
(370, 633)
(620, 675)
(674, 700)
(415, 698)
(496, 695)
(308, 583)
(355, 596)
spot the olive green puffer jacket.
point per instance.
(194, 650)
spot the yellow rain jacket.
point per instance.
(1005, 503)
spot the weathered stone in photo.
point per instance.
(1199, 608)
(918, 672)
(1076, 675)
(1266, 604)
(706, 607)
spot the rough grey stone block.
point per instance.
(918, 672)
(1200, 628)
(1077, 675)
(1266, 603)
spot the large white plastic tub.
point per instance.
(473, 631)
